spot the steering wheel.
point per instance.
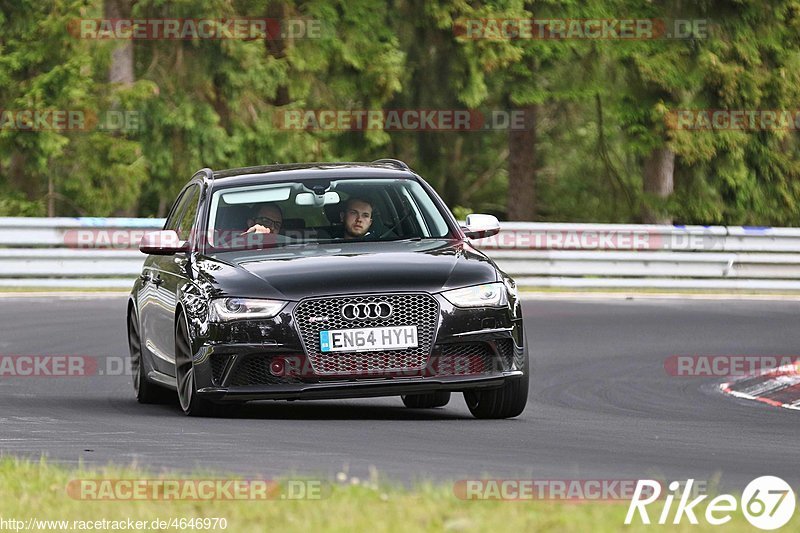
(399, 222)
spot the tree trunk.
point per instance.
(659, 169)
(276, 46)
(51, 197)
(20, 178)
(522, 167)
(121, 70)
(162, 207)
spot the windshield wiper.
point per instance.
(407, 239)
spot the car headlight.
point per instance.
(224, 309)
(487, 295)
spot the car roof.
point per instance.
(295, 171)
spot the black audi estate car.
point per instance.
(320, 281)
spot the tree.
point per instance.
(121, 70)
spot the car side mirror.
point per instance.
(481, 226)
(164, 242)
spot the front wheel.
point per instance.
(505, 402)
(426, 401)
(191, 403)
(145, 390)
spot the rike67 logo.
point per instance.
(767, 502)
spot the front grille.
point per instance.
(420, 310)
(505, 347)
(218, 364)
(462, 358)
(254, 370)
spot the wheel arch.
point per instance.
(132, 307)
(182, 314)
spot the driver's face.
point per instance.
(357, 218)
(268, 216)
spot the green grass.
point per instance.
(38, 489)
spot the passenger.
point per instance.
(357, 218)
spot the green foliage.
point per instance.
(604, 104)
(14, 204)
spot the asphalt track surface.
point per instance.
(602, 405)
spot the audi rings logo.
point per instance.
(362, 311)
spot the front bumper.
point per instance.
(358, 388)
(472, 348)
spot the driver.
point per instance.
(266, 218)
(357, 218)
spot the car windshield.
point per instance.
(319, 211)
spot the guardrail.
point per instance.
(72, 252)
(648, 256)
(102, 252)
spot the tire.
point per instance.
(426, 401)
(191, 404)
(507, 401)
(145, 390)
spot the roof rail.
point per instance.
(207, 173)
(394, 162)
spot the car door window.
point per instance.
(174, 217)
(187, 218)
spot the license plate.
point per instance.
(368, 339)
